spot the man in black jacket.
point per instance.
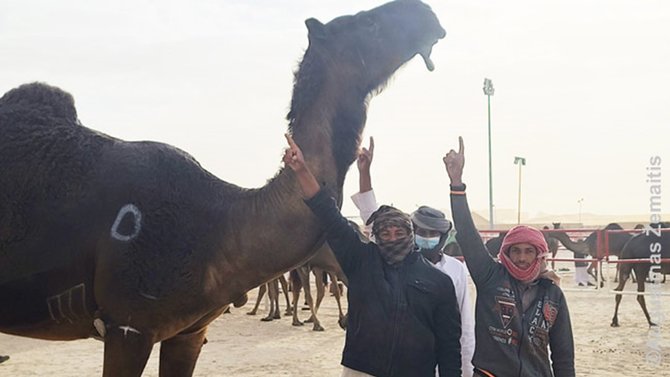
(403, 313)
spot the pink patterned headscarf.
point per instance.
(530, 235)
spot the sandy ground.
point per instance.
(242, 345)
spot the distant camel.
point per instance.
(272, 289)
(641, 247)
(589, 246)
(552, 244)
(323, 261)
(136, 243)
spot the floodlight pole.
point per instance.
(521, 162)
(580, 210)
(488, 91)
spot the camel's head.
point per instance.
(373, 44)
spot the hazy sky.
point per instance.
(582, 91)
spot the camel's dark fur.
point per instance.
(640, 247)
(134, 242)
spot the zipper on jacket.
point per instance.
(519, 304)
(397, 298)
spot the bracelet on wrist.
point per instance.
(457, 188)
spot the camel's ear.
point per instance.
(317, 30)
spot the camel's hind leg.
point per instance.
(284, 288)
(320, 288)
(296, 285)
(624, 274)
(126, 352)
(642, 271)
(596, 274)
(273, 295)
(341, 320)
(180, 353)
(304, 276)
(261, 293)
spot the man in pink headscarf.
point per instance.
(521, 312)
(523, 252)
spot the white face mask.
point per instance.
(426, 243)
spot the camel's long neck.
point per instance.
(270, 230)
(579, 247)
(328, 132)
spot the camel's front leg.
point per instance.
(179, 354)
(284, 287)
(126, 351)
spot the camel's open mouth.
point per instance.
(428, 49)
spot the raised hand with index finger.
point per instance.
(365, 156)
(454, 162)
(293, 157)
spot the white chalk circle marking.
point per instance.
(128, 209)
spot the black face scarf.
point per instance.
(393, 252)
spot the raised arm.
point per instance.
(343, 240)
(477, 259)
(365, 199)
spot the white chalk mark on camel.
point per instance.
(137, 217)
(56, 303)
(127, 328)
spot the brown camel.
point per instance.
(641, 246)
(272, 288)
(136, 243)
(589, 246)
(323, 261)
(552, 244)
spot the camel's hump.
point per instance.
(40, 98)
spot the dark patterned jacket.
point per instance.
(402, 320)
(511, 341)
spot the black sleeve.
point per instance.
(342, 239)
(562, 344)
(477, 258)
(448, 333)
